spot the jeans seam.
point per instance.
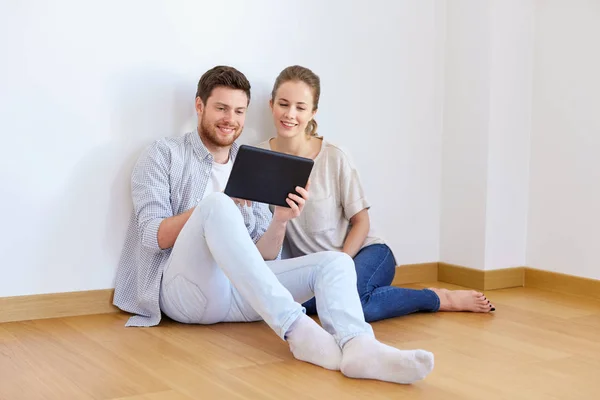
(234, 299)
(378, 268)
(328, 312)
(181, 312)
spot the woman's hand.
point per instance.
(296, 203)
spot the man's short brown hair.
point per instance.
(222, 76)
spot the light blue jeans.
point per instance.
(216, 274)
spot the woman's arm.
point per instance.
(269, 245)
(360, 225)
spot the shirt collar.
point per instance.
(203, 152)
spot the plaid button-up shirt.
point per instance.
(169, 178)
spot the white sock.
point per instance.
(364, 357)
(311, 343)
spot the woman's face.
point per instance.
(292, 108)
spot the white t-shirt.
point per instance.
(219, 175)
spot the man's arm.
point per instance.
(169, 229)
(358, 233)
(150, 193)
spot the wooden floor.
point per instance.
(537, 345)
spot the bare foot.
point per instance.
(463, 300)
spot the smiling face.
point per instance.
(221, 119)
(293, 108)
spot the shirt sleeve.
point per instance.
(151, 194)
(351, 190)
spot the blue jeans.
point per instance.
(375, 268)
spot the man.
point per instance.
(199, 256)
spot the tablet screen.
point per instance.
(267, 176)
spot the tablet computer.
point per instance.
(267, 176)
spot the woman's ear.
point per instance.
(271, 104)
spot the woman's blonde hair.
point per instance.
(301, 74)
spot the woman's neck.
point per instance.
(298, 146)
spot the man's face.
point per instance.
(221, 119)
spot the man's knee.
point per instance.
(345, 260)
(216, 200)
(219, 203)
(216, 206)
(342, 262)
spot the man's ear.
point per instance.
(199, 106)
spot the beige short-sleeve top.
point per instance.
(336, 195)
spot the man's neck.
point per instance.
(220, 154)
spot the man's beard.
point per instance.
(209, 134)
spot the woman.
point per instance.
(337, 218)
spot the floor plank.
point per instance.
(56, 346)
(537, 345)
(5, 336)
(168, 395)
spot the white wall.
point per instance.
(521, 135)
(511, 68)
(564, 216)
(465, 133)
(487, 113)
(85, 86)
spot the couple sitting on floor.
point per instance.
(200, 257)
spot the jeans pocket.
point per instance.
(184, 301)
